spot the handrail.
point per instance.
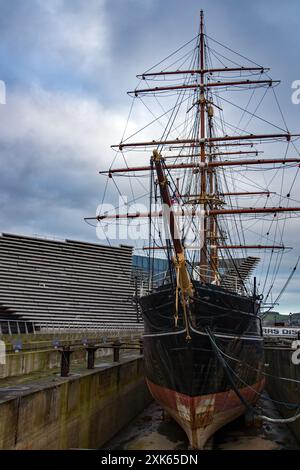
(11, 327)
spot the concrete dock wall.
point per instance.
(280, 366)
(26, 362)
(82, 411)
(37, 353)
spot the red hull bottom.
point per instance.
(200, 417)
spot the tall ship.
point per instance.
(201, 196)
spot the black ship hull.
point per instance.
(186, 375)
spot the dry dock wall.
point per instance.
(37, 352)
(279, 360)
(83, 411)
(27, 362)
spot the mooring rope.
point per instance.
(236, 390)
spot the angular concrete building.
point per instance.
(65, 282)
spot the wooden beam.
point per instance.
(203, 165)
(193, 213)
(210, 140)
(194, 86)
(197, 71)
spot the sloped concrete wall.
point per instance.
(78, 412)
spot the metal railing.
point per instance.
(17, 327)
(146, 284)
(232, 282)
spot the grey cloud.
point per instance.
(53, 140)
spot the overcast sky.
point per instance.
(67, 65)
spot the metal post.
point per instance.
(141, 347)
(65, 361)
(91, 350)
(116, 348)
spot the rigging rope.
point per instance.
(229, 372)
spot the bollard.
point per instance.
(165, 416)
(252, 420)
(116, 347)
(91, 350)
(65, 361)
(141, 347)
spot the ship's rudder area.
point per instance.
(202, 416)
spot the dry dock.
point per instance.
(149, 431)
(46, 411)
(103, 401)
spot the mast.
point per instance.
(203, 197)
(206, 149)
(180, 261)
(213, 201)
(183, 280)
